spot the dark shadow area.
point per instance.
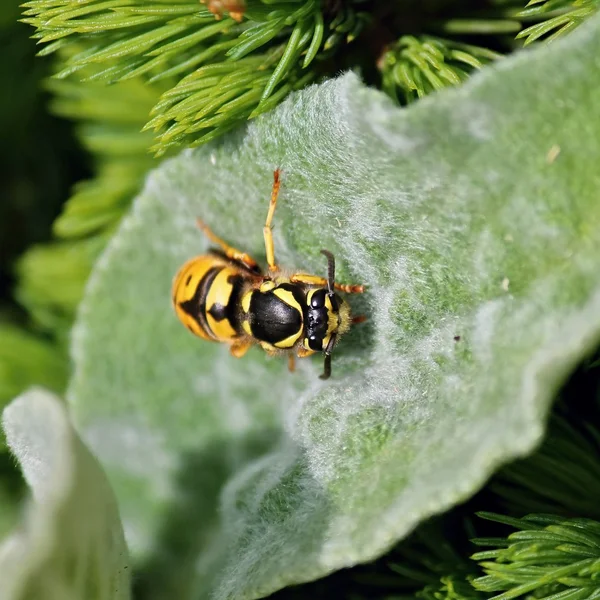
(188, 525)
(193, 522)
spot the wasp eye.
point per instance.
(318, 299)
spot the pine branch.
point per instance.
(52, 276)
(228, 71)
(548, 557)
(559, 17)
(111, 119)
(451, 587)
(234, 59)
(417, 66)
(52, 279)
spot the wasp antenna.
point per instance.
(327, 363)
(330, 270)
(326, 368)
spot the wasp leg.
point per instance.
(229, 251)
(349, 288)
(291, 363)
(238, 349)
(321, 281)
(359, 319)
(303, 352)
(267, 229)
(270, 350)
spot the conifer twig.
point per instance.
(548, 557)
(223, 65)
(557, 18)
(417, 66)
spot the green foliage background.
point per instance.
(77, 131)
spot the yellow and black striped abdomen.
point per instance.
(206, 292)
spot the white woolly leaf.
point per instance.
(70, 544)
(472, 217)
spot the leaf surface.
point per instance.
(70, 544)
(472, 217)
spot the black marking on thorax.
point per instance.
(317, 321)
(271, 319)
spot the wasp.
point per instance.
(224, 296)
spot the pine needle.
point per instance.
(559, 17)
(274, 42)
(548, 558)
(52, 276)
(110, 122)
(417, 66)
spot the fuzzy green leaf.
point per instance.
(71, 544)
(473, 219)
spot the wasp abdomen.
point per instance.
(206, 297)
